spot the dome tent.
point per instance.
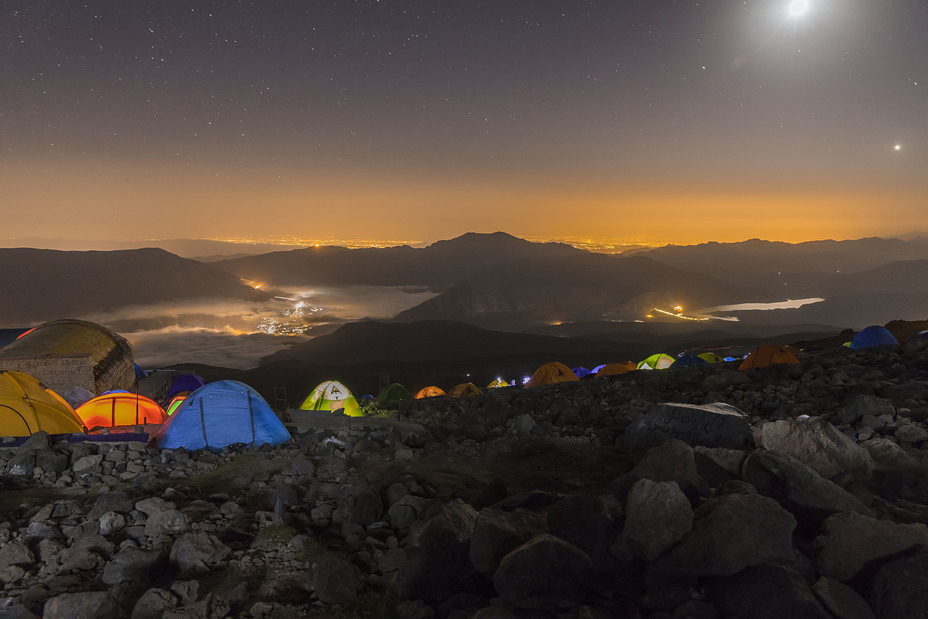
(613, 369)
(27, 407)
(430, 392)
(392, 394)
(657, 361)
(220, 414)
(554, 372)
(498, 383)
(184, 384)
(687, 361)
(120, 408)
(765, 356)
(581, 371)
(331, 395)
(873, 336)
(464, 390)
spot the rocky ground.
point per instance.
(795, 491)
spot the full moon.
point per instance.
(798, 7)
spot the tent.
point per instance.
(581, 371)
(464, 390)
(496, 384)
(27, 407)
(184, 383)
(765, 356)
(614, 369)
(710, 357)
(549, 373)
(174, 404)
(657, 361)
(331, 395)
(392, 394)
(430, 392)
(220, 414)
(687, 361)
(120, 408)
(873, 336)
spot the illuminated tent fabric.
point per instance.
(219, 414)
(614, 369)
(657, 361)
(174, 404)
(27, 407)
(581, 371)
(688, 361)
(765, 356)
(549, 373)
(873, 336)
(464, 390)
(710, 357)
(185, 383)
(109, 355)
(392, 394)
(120, 408)
(430, 392)
(331, 395)
(496, 384)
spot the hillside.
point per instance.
(439, 265)
(41, 285)
(790, 268)
(577, 288)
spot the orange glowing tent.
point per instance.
(554, 372)
(120, 408)
(430, 392)
(765, 356)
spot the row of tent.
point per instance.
(213, 416)
(222, 413)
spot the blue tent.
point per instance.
(581, 372)
(686, 361)
(221, 414)
(873, 336)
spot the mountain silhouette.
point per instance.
(43, 284)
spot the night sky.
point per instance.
(641, 121)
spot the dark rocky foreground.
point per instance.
(696, 493)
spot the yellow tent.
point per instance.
(553, 372)
(27, 406)
(496, 384)
(464, 390)
(430, 392)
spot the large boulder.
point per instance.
(497, 533)
(898, 588)
(710, 425)
(545, 573)
(851, 541)
(197, 552)
(672, 460)
(865, 405)
(333, 579)
(657, 516)
(437, 556)
(820, 446)
(81, 605)
(767, 592)
(732, 532)
(797, 487)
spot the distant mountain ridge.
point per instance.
(43, 284)
(439, 265)
(577, 288)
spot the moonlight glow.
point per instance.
(798, 7)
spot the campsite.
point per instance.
(680, 484)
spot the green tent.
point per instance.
(332, 396)
(393, 393)
(657, 361)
